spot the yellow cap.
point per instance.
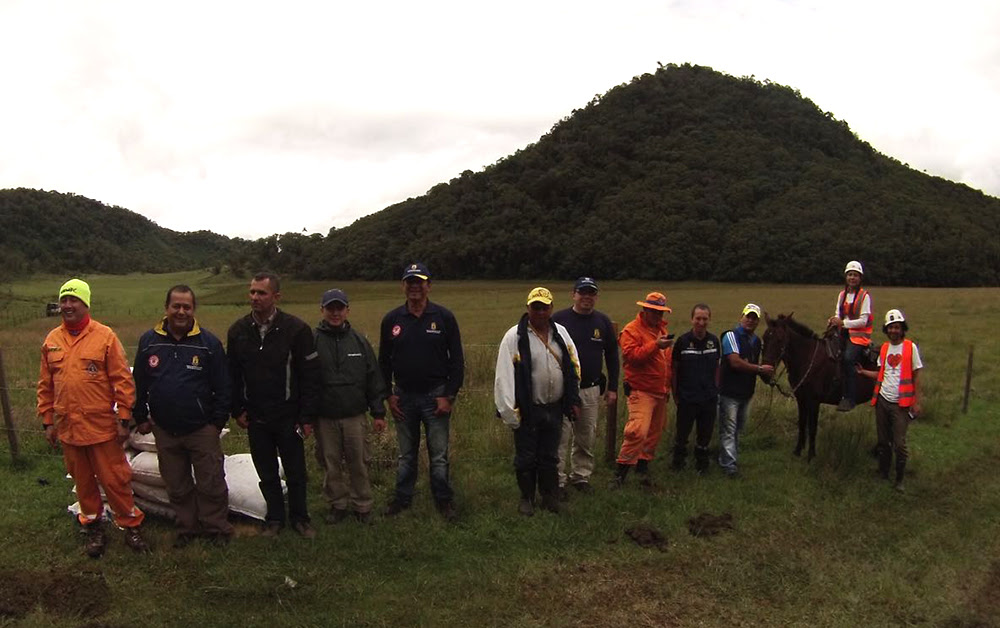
(541, 295)
(76, 288)
(751, 308)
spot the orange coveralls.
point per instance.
(647, 371)
(80, 379)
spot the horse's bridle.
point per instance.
(780, 360)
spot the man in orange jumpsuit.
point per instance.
(83, 375)
(644, 343)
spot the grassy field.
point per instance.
(824, 543)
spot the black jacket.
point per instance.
(184, 383)
(352, 380)
(275, 378)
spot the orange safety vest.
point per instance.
(906, 388)
(859, 335)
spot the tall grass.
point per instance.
(822, 543)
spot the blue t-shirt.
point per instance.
(732, 383)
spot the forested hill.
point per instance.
(55, 232)
(685, 174)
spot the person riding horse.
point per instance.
(853, 319)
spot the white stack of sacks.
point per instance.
(150, 490)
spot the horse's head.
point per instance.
(774, 340)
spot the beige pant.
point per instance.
(342, 448)
(579, 436)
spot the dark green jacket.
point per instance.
(352, 383)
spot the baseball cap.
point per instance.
(541, 295)
(76, 288)
(655, 301)
(417, 270)
(332, 295)
(751, 308)
(585, 282)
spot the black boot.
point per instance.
(900, 472)
(620, 474)
(642, 470)
(884, 459)
(548, 487)
(526, 482)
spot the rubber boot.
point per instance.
(900, 473)
(621, 472)
(884, 459)
(548, 487)
(526, 482)
(701, 460)
(642, 470)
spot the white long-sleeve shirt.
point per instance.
(546, 371)
(864, 316)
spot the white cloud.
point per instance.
(252, 118)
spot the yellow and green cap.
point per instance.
(76, 288)
(540, 295)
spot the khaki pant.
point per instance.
(647, 417)
(579, 436)
(340, 443)
(102, 463)
(201, 503)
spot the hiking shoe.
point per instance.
(304, 529)
(395, 507)
(271, 529)
(219, 539)
(584, 487)
(183, 539)
(899, 486)
(336, 515)
(845, 405)
(133, 538)
(364, 518)
(616, 483)
(97, 540)
(525, 507)
(447, 510)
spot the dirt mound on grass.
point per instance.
(84, 595)
(707, 524)
(647, 536)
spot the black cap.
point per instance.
(333, 295)
(585, 282)
(417, 270)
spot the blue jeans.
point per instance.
(418, 409)
(732, 417)
(852, 354)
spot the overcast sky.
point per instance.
(251, 118)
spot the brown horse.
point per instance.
(812, 373)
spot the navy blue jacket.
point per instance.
(421, 354)
(184, 384)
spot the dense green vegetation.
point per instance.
(683, 174)
(53, 232)
(686, 174)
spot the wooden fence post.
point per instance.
(968, 383)
(8, 417)
(610, 451)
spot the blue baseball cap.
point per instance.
(332, 296)
(585, 282)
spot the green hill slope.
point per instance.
(683, 174)
(55, 232)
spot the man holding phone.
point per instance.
(646, 359)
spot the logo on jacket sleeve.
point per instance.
(154, 361)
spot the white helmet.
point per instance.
(855, 266)
(894, 316)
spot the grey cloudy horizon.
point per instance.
(254, 118)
